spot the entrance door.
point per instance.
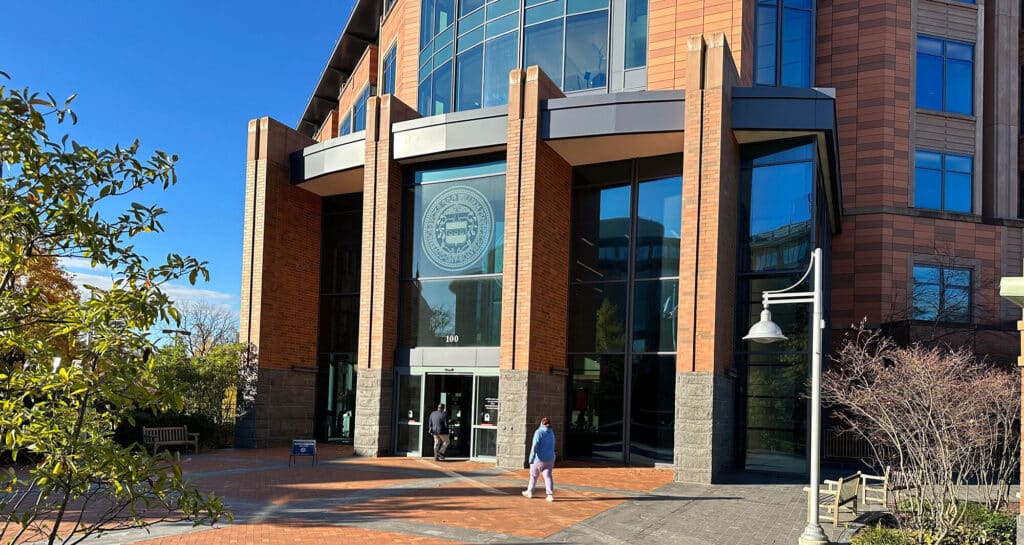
(336, 385)
(456, 393)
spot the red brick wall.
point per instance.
(707, 269)
(538, 189)
(402, 27)
(382, 199)
(673, 22)
(281, 252)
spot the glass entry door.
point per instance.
(336, 385)
(456, 393)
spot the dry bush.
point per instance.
(944, 421)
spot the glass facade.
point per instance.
(453, 243)
(780, 222)
(465, 59)
(623, 296)
(341, 235)
(945, 75)
(942, 294)
(784, 43)
(943, 181)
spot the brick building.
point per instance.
(570, 208)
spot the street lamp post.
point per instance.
(767, 331)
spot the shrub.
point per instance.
(211, 434)
(878, 535)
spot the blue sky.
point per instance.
(184, 77)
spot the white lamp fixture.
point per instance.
(767, 331)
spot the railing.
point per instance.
(846, 446)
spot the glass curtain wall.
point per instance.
(468, 47)
(452, 249)
(776, 235)
(623, 301)
(341, 234)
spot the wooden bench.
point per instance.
(167, 436)
(841, 494)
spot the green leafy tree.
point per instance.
(206, 376)
(75, 367)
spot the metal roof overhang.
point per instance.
(360, 32)
(773, 113)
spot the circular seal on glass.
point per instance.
(457, 227)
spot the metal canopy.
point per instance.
(360, 32)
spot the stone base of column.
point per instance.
(523, 399)
(704, 427)
(374, 389)
(1020, 529)
(282, 411)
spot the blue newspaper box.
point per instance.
(303, 447)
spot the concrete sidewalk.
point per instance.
(420, 501)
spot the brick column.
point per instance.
(534, 287)
(707, 281)
(280, 283)
(378, 303)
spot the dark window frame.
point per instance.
(942, 313)
(943, 170)
(945, 60)
(780, 8)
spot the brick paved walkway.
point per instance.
(419, 501)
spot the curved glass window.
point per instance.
(465, 61)
(452, 248)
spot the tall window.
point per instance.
(776, 234)
(945, 75)
(337, 333)
(623, 296)
(387, 84)
(942, 181)
(784, 43)
(355, 119)
(453, 239)
(941, 293)
(636, 33)
(465, 60)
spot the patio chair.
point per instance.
(875, 488)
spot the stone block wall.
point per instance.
(524, 397)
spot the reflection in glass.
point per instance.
(777, 204)
(501, 57)
(543, 47)
(652, 414)
(600, 243)
(469, 73)
(595, 418)
(659, 207)
(597, 317)
(776, 412)
(942, 293)
(636, 33)
(456, 312)
(339, 323)
(586, 51)
(655, 309)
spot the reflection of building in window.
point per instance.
(941, 294)
(784, 245)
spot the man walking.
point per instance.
(542, 459)
(439, 429)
